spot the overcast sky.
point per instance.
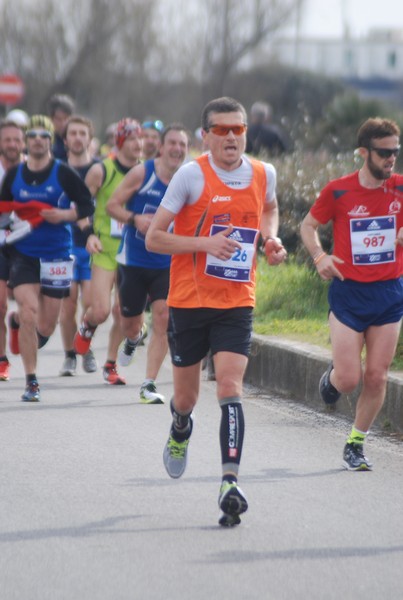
(325, 17)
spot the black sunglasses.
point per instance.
(385, 152)
(42, 134)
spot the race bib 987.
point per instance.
(373, 240)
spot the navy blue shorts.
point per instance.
(361, 305)
(192, 332)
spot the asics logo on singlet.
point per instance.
(222, 199)
(374, 225)
(359, 211)
(50, 189)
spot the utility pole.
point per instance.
(344, 19)
(298, 16)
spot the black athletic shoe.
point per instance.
(327, 391)
(354, 458)
(232, 503)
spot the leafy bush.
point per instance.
(300, 177)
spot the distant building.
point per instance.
(373, 65)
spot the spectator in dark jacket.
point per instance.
(263, 137)
(61, 107)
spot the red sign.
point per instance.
(11, 89)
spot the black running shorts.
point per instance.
(137, 285)
(26, 269)
(192, 332)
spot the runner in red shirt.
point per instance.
(366, 292)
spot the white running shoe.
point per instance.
(127, 348)
(149, 394)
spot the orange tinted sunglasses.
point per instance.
(223, 130)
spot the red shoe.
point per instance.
(4, 370)
(111, 375)
(82, 339)
(13, 334)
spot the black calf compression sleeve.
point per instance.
(232, 429)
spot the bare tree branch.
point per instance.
(237, 29)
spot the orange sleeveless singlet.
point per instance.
(200, 281)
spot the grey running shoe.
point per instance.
(149, 394)
(32, 392)
(127, 348)
(89, 362)
(69, 367)
(327, 391)
(175, 457)
(354, 458)
(232, 503)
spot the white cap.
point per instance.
(19, 117)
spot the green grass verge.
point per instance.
(291, 302)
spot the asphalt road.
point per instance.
(87, 511)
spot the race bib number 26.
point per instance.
(239, 266)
